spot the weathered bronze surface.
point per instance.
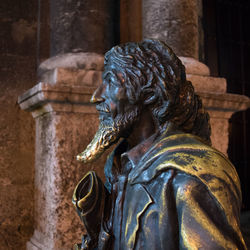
(166, 187)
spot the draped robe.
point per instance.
(179, 194)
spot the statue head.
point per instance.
(144, 77)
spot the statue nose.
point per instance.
(96, 97)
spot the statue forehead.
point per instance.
(114, 74)
(115, 66)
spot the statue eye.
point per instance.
(114, 83)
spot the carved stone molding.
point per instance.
(219, 104)
(65, 124)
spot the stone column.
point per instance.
(81, 25)
(219, 104)
(220, 107)
(65, 123)
(174, 21)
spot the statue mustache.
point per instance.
(103, 107)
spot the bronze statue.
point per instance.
(166, 187)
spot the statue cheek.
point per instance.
(117, 93)
(121, 95)
(113, 109)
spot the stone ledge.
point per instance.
(63, 108)
(208, 83)
(194, 67)
(44, 93)
(199, 74)
(72, 77)
(36, 241)
(224, 102)
(79, 60)
(74, 96)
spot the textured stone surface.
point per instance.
(81, 26)
(199, 74)
(174, 21)
(219, 133)
(60, 137)
(72, 69)
(18, 25)
(76, 77)
(194, 67)
(44, 98)
(65, 124)
(220, 107)
(56, 222)
(17, 154)
(208, 83)
(225, 102)
(86, 61)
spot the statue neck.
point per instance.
(143, 129)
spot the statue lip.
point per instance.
(102, 107)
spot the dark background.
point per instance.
(227, 51)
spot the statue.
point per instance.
(166, 187)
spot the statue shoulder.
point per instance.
(188, 154)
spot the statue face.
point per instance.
(110, 98)
(116, 115)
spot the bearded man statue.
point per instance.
(166, 187)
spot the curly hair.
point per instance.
(154, 75)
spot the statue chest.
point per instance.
(138, 220)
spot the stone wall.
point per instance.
(173, 21)
(17, 154)
(65, 124)
(81, 26)
(17, 74)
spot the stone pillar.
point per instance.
(219, 104)
(65, 123)
(177, 23)
(173, 21)
(81, 25)
(220, 107)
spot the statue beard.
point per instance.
(108, 133)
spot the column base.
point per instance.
(35, 242)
